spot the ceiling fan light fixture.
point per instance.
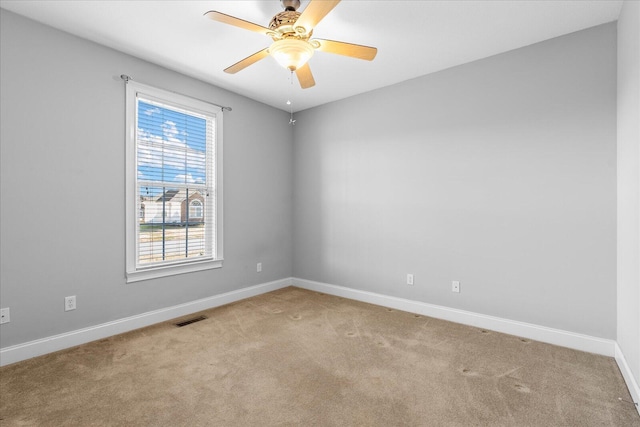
(291, 53)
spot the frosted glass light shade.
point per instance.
(291, 53)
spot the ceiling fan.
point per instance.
(292, 45)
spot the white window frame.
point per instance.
(134, 271)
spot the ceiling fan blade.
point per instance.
(252, 59)
(237, 22)
(314, 12)
(305, 77)
(347, 49)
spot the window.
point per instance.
(173, 184)
(195, 209)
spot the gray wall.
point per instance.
(500, 173)
(62, 182)
(629, 185)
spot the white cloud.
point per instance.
(185, 178)
(170, 131)
(151, 112)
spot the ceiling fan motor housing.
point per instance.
(283, 25)
(288, 17)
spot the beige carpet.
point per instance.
(295, 357)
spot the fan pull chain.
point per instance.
(291, 121)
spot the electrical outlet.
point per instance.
(409, 279)
(5, 316)
(70, 303)
(455, 286)
(259, 267)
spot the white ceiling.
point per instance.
(413, 38)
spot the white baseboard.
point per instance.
(526, 330)
(42, 346)
(632, 384)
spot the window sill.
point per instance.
(171, 270)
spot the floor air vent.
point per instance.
(190, 321)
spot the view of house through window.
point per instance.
(175, 184)
(169, 230)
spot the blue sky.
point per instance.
(171, 145)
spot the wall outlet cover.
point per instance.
(455, 286)
(70, 303)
